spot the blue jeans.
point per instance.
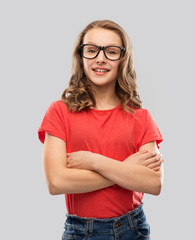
(130, 226)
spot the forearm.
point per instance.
(130, 176)
(139, 172)
(60, 179)
(77, 181)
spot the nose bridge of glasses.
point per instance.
(103, 51)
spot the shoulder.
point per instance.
(140, 113)
(58, 106)
(54, 121)
(57, 110)
(143, 117)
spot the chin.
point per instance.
(102, 82)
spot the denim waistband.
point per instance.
(103, 225)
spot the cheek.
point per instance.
(115, 67)
(86, 66)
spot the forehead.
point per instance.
(102, 37)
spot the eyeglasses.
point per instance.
(91, 51)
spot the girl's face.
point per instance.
(100, 70)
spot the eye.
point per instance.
(92, 50)
(111, 52)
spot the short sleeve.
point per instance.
(54, 122)
(146, 129)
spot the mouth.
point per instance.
(100, 70)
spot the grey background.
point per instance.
(36, 43)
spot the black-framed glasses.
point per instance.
(91, 51)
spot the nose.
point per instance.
(101, 57)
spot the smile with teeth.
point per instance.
(100, 70)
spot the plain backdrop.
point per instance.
(36, 43)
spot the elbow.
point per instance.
(56, 188)
(53, 191)
(157, 187)
(157, 183)
(157, 190)
(53, 187)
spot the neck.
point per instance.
(105, 98)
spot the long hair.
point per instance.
(79, 95)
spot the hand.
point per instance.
(152, 160)
(80, 160)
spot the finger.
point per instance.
(155, 152)
(137, 154)
(134, 155)
(143, 151)
(156, 169)
(68, 161)
(147, 155)
(152, 160)
(141, 155)
(69, 165)
(155, 164)
(153, 167)
(152, 153)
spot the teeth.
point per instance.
(100, 70)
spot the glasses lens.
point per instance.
(90, 51)
(113, 53)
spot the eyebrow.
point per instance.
(112, 44)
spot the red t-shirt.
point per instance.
(114, 133)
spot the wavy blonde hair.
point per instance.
(79, 95)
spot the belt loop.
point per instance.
(130, 220)
(86, 232)
(90, 229)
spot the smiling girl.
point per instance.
(100, 145)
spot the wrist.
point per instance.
(93, 161)
(98, 162)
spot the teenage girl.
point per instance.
(100, 145)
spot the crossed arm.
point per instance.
(84, 171)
